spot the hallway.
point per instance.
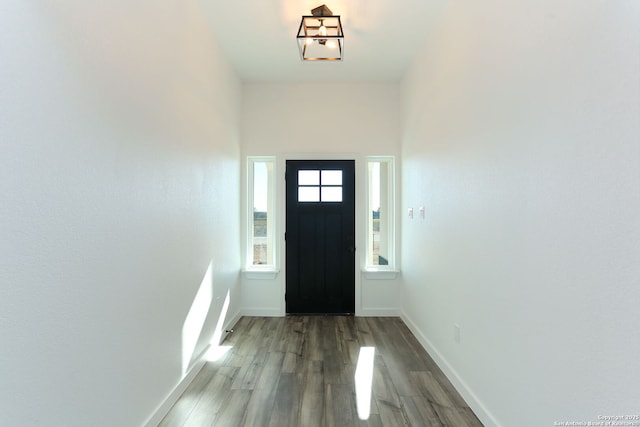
(128, 132)
(311, 371)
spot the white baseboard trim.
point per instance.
(378, 312)
(177, 391)
(229, 324)
(262, 312)
(367, 312)
(481, 411)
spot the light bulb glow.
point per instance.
(308, 42)
(331, 44)
(323, 30)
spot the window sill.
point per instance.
(380, 274)
(260, 274)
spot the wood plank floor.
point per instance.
(299, 371)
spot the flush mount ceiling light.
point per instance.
(320, 36)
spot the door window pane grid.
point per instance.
(308, 194)
(331, 194)
(309, 177)
(331, 177)
(319, 186)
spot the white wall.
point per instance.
(521, 137)
(119, 177)
(321, 120)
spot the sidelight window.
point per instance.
(261, 218)
(380, 214)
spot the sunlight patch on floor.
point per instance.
(364, 381)
(216, 353)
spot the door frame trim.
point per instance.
(360, 202)
(346, 209)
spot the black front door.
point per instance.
(320, 236)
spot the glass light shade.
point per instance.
(320, 38)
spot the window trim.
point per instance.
(270, 270)
(390, 271)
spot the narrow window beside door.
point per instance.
(380, 213)
(261, 219)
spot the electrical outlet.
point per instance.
(410, 213)
(421, 212)
(456, 333)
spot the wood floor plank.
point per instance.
(271, 372)
(420, 413)
(329, 333)
(396, 359)
(452, 416)
(300, 371)
(259, 408)
(189, 399)
(334, 368)
(291, 339)
(351, 352)
(250, 371)
(384, 390)
(373, 421)
(263, 396)
(312, 405)
(287, 404)
(233, 409)
(290, 363)
(312, 346)
(431, 388)
(363, 332)
(472, 420)
(347, 328)
(391, 415)
(339, 406)
(213, 396)
(430, 366)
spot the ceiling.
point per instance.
(381, 38)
